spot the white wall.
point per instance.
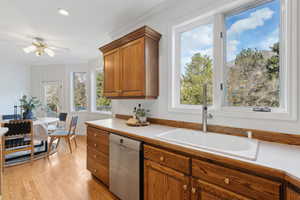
(160, 21)
(63, 73)
(14, 82)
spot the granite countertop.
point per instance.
(3, 131)
(272, 155)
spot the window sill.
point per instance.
(249, 114)
(101, 112)
(237, 113)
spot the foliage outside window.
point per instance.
(252, 52)
(102, 103)
(196, 65)
(52, 97)
(251, 38)
(80, 91)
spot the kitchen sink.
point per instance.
(226, 144)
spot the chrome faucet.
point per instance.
(205, 114)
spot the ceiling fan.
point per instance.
(40, 47)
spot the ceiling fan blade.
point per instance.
(29, 49)
(50, 52)
(53, 47)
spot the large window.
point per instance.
(244, 56)
(80, 100)
(252, 70)
(102, 103)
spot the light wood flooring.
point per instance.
(61, 177)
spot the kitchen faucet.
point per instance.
(205, 113)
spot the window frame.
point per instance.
(72, 92)
(288, 57)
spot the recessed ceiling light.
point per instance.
(63, 12)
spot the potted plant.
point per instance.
(141, 114)
(28, 104)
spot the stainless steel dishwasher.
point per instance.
(124, 167)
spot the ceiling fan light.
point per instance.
(50, 52)
(38, 53)
(63, 12)
(29, 49)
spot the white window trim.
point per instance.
(289, 32)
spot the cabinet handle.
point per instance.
(162, 158)
(184, 187)
(193, 190)
(226, 181)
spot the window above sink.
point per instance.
(245, 53)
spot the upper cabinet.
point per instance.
(131, 65)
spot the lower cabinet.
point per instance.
(201, 180)
(163, 183)
(98, 154)
(202, 190)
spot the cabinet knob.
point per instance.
(193, 190)
(95, 156)
(226, 181)
(95, 145)
(162, 158)
(95, 171)
(95, 134)
(184, 187)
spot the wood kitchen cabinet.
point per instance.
(98, 154)
(163, 183)
(131, 65)
(202, 190)
(292, 195)
(112, 71)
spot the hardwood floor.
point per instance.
(61, 177)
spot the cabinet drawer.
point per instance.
(252, 186)
(98, 156)
(98, 139)
(169, 159)
(98, 170)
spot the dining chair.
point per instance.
(67, 135)
(61, 124)
(18, 138)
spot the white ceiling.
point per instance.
(82, 32)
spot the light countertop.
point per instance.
(273, 155)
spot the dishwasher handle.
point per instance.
(124, 142)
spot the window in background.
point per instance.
(80, 99)
(252, 69)
(52, 96)
(102, 103)
(196, 64)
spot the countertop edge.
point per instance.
(263, 170)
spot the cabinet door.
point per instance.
(112, 74)
(162, 183)
(292, 195)
(133, 68)
(202, 190)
